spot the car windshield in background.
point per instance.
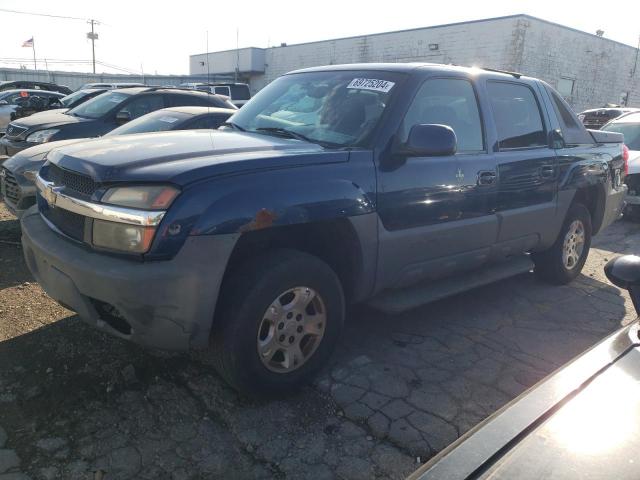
(631, 132)
(74, 97)
(152, 122)
(97, 107)
(336, 108)
(629, 126)
(240, 92)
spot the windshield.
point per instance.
(631, 132)
(338, 109)
(157, 121)
(74, 98)
(98, 106)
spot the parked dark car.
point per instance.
(629, 125)
(14, 100)
(597, 117)
(238, 93)
(80, 96)
(392, 184)
(100, 115)
(579, 423)
(28, 84)
(111, 86)
(18, 173)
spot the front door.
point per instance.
(436, 218)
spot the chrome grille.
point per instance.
(71, 180)
(10, 187)
(14, 131)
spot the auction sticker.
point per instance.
(371, 84)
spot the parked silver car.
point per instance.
(10, 100)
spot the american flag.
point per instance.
(28, 43)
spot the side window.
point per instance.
(202, 122)
(187, 100)
(451, 102)
(573, 130)
(517, 116)
(222, 91)
(143, 105)
(208, 121)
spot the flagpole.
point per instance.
(33, 45)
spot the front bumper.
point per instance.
(11, 147)
(167, 304)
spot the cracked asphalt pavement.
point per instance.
(78, 404)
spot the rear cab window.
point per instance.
(573, 131)
(517, 115)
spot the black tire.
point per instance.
(247, 294)
(631, 213)
(549, 264)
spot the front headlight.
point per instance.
(122, 236)
(147, 197)
(42, 136)
(30, 175)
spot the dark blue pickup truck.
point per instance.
(383, 183)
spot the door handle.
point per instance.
(486, 177)
(547, 171)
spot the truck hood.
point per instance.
(49, 119)
(634, 162)
(183, 157)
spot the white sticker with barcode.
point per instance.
(371, 84)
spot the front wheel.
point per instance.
(279, 319)
(564, 260)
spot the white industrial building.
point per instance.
(588, 70)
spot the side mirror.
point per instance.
(123, 117)
(556, 139)
(430, 140)
(624, 272)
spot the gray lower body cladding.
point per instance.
(166, 304)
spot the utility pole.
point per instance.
(33, 46)
(635, 64)
(237, 54)
(207, 54)
(93, 36)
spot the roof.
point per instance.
(198, 110)
(412, 67)
(429, 27)
(30, 90)
(629, 117)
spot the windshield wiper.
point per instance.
(235, 126)
(286, 133)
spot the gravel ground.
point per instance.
(77, 404)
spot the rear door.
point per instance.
(527, 166)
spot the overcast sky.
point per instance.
(160, 36)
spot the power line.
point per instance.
(41, 14)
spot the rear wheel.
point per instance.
(279, 319)
(564, 260)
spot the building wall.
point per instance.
(601, 69)
(74, 80)
(483, 43)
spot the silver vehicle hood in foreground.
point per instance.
(583, 421)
